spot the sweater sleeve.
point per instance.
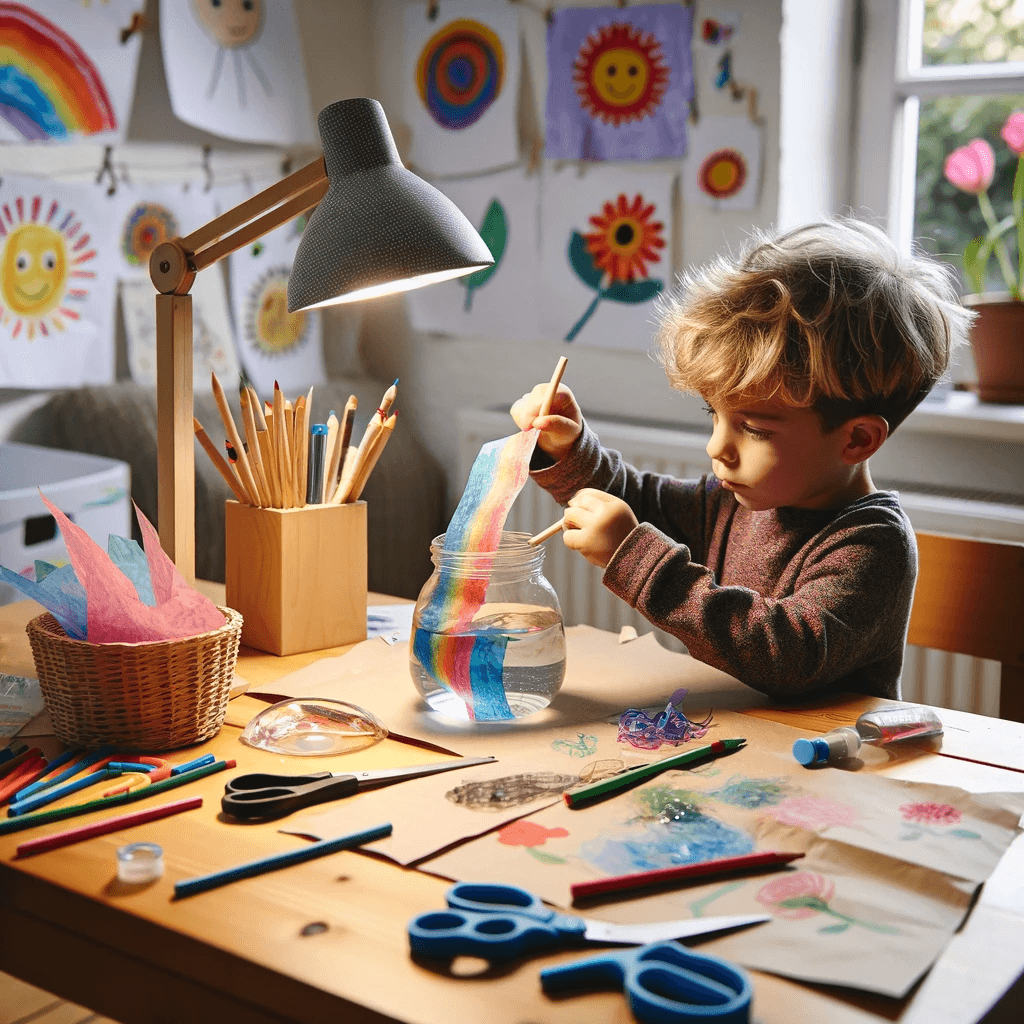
(678, 509)
(849, 607)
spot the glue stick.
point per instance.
(887, 725)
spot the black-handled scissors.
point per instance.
(260, 795)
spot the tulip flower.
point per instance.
(971, 167)
(1013, 132)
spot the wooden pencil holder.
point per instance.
(297, 575)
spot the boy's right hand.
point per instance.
(560, 428)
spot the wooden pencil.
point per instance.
(300, 447)
(265, 436)
(375, 452)
(255, 455)
(283, 449)
(388, 400)
(332, 441)
(556, 378)
(341, 448)
(348, 464)
(219, 463)
(245, 470)
(351, 470)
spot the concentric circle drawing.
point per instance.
(620, 74)
(723, 173)
(460, 73)
(147, 226)
(43, 261)
(268, 324)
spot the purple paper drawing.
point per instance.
(620, 82)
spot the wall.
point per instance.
(442, 374)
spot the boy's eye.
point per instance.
(709, 410)
(761, 435)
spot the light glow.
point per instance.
(404, 284)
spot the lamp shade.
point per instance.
(379, 228)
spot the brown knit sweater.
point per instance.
(789, 601)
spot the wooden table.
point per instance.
(240, 954)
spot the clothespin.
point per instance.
(207, 169)
(433, 10)
(139, 23)
(107, 169)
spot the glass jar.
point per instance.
(488, 642)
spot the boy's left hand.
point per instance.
(595, 524)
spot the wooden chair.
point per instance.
(969, 600)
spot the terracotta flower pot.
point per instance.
(997, 338)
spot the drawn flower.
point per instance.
(813, 812)
(620, 74)
(804, 894)
(626, 238)
(528, 833)
(971, 167)
(750, 793)
(930, 814)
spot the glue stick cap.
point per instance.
(811, 751)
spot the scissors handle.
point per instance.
(281, 794)
(449, 933)
(664, 983)
(494, 897)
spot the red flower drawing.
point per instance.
(625, 239)
(930, 814)
(528, 833)
(813, 812)
(801, 894)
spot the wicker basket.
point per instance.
(145, 696)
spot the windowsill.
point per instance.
(961, 413)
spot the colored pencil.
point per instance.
(218, 462)
(244, 469)
(607, 787)
(83, 761)
(333, 426)
(102, 828)
(47, 796)
(16, 762)
(202, 883)
(59, 813)
(188, 766)
(684, 872)
(375, 452)
(25, 773)
(255, 453)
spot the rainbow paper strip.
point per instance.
(470, 665)
(49, 87)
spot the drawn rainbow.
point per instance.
(49, 87)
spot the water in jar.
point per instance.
(534, 664)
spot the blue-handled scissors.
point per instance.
(504, 922)
(664, 983)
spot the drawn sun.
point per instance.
(268, 324)
(620, 74)
(234, 25)
(626, 239)
(42, 256)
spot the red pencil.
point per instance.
(100, 828)
(644, 879)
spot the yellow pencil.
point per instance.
(245, 471)
(221, 466)
(376, 449)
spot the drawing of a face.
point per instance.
(620, 76)
(34, 270)
(231, 22)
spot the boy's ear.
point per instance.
(863, 436)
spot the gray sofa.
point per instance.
(405, 495)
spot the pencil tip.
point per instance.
(395, 385)
(277, 387)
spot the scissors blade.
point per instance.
(382, 776)
(661, 931)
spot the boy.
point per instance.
(786, 568)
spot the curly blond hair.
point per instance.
(829, 316)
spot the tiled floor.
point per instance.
(24, 1004)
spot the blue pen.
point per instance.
(190, 886)
(47, 797)
(130, 766)
(197, 763)
(56, 780)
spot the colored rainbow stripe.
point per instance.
(471, 665)
(49, 87)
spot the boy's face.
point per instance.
(772, 455)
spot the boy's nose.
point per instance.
(719, 448)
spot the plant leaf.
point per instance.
(633, 291)
(911, 835)
(494, 232)
(965, 833)
(583, 262)
(545, 858)
(974, 263)
(1000, 228)
(834, 929)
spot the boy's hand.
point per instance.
(560, 428)
(595, 524)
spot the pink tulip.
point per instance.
(1013, 132)
(971, 167)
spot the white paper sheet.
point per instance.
(57, 278)
(461, 80)
(627, 235)
(498, 303)
(235, 68)
(64, 72)
(722, 168)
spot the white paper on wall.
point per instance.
(234, 68)
(461, 75)
(57, 277)
(722, 168)
(213, 343)
(64, 72)
(501, 301)
(606, 244)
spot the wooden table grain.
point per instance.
(246, 954)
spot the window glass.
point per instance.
(945, 217)
(972, 31)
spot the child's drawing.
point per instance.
(932, 819)
(530, 835)
(234, 25)
(461, 82)
(804, 894)
(582, 746)
(813, 812)
(56, 284)
(146, 226)
(740, 791)
(64, 73)
(494, 232)
(509, 790)
(697, 907)
(722, 168)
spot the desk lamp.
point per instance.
(377, 228)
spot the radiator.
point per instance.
(929, 677)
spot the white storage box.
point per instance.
(92, 491)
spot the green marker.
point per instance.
(587, 794)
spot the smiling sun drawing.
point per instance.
(620, 74)
(42, 256)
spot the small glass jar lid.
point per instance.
(140, 862)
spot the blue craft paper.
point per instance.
(129, 557)
(60, 593)
(573, 133)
